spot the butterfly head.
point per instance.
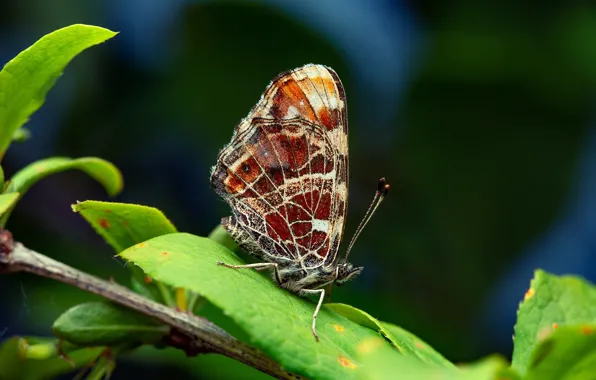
(346, 272)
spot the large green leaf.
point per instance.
(277, 321)
(106, 324)
(406, 343)
(32, 358)
(27, 78)
(552, 301)
(380, 363)
(569, 353)
(123, 225)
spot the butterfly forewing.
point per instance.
(285, 171)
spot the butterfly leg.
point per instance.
(256, 266)
(314, 316)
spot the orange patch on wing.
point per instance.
(290, 94)
(233, 184)
(329, 87)
(346, 362)
(325, 119)
(104, 223)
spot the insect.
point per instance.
(285, 176)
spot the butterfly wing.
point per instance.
(285, 171)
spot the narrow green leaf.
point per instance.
(106, 324)
(34, 358)
(101, 170)
(7, 201)
(27, 78)
(123, 225)
(569, 352)
(380, 363)
(406, 343)
(551, 302)
(277, 321)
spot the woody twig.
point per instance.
(188, 332)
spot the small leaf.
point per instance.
(102, 171)
(123, 225)
(7, 201)
(277, 321)
(27, 78)
(220, 235)
(406, 343)
(35, 358)
(380, 363)
(106, 324)
(569, 352)
(21, 135)
(551, 302)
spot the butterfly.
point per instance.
(285, 176)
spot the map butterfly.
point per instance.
(285, 176)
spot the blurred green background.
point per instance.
(481, 115)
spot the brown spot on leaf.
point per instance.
(104, 223)
(529, 294)
(586, 330)
(147, 280)
(346, 362)
(339, 328)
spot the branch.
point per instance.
(192, 333)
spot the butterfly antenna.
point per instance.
(382, 190)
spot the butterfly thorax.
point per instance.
(295, 277)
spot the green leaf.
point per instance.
(220, 235)
(277, 321)
(569, 352)
(106, 324)
(35, 358)
(21, 135)
(102, 171)
(7, 201)
(406, 343)
(380, 362)
(123, 225)
(552, 301)
(27, 78)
